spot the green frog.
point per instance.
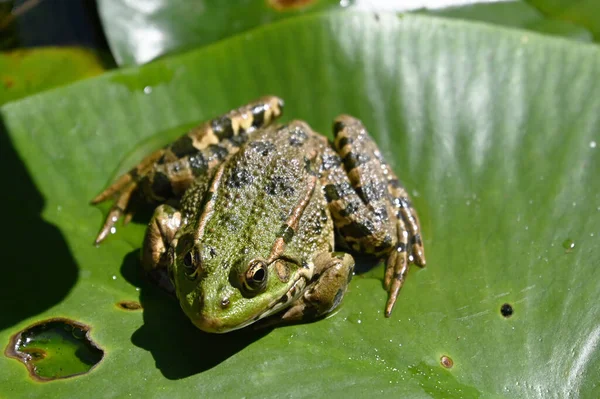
(251, 213)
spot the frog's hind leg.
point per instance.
(371, 210)
(167, 173)
(324, 293)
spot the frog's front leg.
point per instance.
(371, 210)
(324, 292)
(155, 254)
(168, 172)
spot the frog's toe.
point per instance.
(111, 219)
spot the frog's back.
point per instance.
(261, 187)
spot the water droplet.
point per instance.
(114, 277)
(113, 230)
(568, 245)
(147, 90)
(592, 144)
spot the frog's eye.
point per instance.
(255, 278)
(191, 263)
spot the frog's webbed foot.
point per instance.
(333, 272)
(167, 173)
(370, 208)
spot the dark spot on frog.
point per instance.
(297, 137)
(258, 115)
(338, 127)
(317, 228)
(239, 177)
(217, 152)
(416, 240)
(129, 305)
(222, 127)
(287, 233)
(280, 186)
(183, 146)
(331, 193)
(240, 138)
(344, 141)
(305, 264)
(372, 191)
(353, 160)
(161, 186)
(506, 310)
(330, 161)
(212, 251)
(350, 209)
(55, 349)
(357, 229)
(310, 167)
(262, 147)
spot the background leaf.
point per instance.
(493, 131)
(25, 72)
(141, 31)
(584, 13)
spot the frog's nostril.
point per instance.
(225, 302)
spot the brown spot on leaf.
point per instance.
(8, 82)
(129, 305)
(446, 361)
(286, 5)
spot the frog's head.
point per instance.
(225, 293)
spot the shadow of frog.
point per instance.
(179, 348)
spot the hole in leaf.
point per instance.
(55, 348)
(446, 361)
(129, 305)
(506, 310)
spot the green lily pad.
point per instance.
(493, 131)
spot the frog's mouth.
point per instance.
(295, 290)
